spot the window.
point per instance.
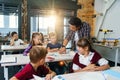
(38, 24)
(8, 18)
(66, 29)
(43, 27)
(13, 21)
(44, 24)
(1, 21)
(66, 25)
(42, 21)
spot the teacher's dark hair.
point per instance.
(75, 21)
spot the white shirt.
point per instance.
(18, 42)
(86, 60)
(76, 38)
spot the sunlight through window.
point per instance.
(51, 23)
(13, 21)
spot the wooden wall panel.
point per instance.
(86, 13)
(24, 19)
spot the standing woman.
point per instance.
(36, 40)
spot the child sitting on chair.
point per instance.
(36, 66)
(54, 46)
(15, 41)
(37, 39)
(88, 59)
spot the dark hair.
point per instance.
(75, 21)
(37, 53)
(84, 42)
(13, 33)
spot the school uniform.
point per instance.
(79, 61)
(27, 72)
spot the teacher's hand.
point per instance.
(62, 50)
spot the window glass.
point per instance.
(13, 21)
(44, 24)
(66, 29)
(1, 21)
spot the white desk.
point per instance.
(5, 48)
(111, 47)
(98, 75)
(22, 60)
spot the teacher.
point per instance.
(78, 30)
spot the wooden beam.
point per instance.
(24, 27)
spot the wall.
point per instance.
(86, 13)
(109, 19)
(108, 53)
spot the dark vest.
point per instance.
(94, 59)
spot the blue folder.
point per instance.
(112, 73)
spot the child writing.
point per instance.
(36, 66)
(37, 39)
(88, 59)
(14, 39)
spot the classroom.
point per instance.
(59, 40)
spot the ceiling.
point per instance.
(11, 6)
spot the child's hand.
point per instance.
(55, 49)
(91, 67)
(48, 77)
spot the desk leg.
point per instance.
(116, 56)
(4, 53)
(5, 73)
